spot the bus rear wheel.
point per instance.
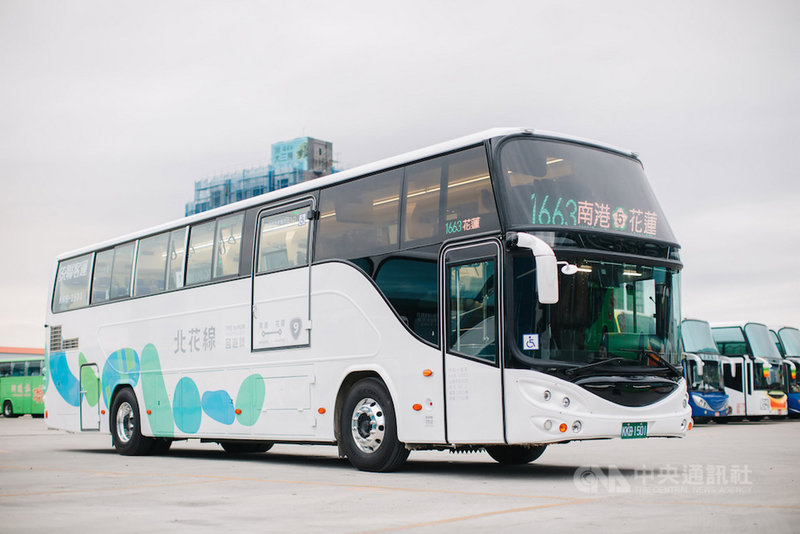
(126, 429)
(8, 409)
(368, 428)
(515, 454)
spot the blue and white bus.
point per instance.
(754, 373)
(788, 339)
(702, 367)
(506, 290)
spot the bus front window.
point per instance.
(605, 311)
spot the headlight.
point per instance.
(701, 402)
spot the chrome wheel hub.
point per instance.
(125, 422)
(368, 425)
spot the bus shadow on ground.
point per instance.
(480, 467)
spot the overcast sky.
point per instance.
(109, 111)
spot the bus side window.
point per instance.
(122, 271)
(101, 280)
(17, 368)
(72, 284)
(283, 241)
(423, 186)
(34, 368)
(175, 255)
(151, 262)
(411, 286)
(5, 369)
(470, 200)
(360, 218)
(228, 244)
(201, 252)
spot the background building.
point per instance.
(294, 161)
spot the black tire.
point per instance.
(126, 433)
(755, 417)
(368, 428)
(245, 446)
(700, 420)
(721, 420)
(161, 446)
(515, 454)
(8, 409)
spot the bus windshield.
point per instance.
(697, 339)
(571, 186)
(605, 310)
(790, 337)
(760, 342)
(709, 378)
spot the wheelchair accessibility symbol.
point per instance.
(530, 342)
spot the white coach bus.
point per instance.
(506, 291)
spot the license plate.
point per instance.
(634, 430)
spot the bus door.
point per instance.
(90, 396)
(281, 277)
(472, 349)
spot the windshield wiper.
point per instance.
(658, 356)
(575, 370)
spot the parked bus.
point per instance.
(789, 346)
(21, 388)
(754, 375)
(702, 367)
(463, 296)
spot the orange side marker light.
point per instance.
(417, 407)
(149, 412)
(321, 411)
(238, 411)
(562, 427)
(427, 372)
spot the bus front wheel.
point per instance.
(369, 428)
(515, 454)
(126, 430)
(8, 409)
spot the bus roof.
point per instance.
(10, 353)
(330, 179)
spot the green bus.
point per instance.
(21, 381)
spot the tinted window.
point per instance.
(448, 196)
(360, 218)
(18, 369)
(201, 252)
(472, 307)
(177, 246)
(151, 263)
(730, 340)
(72, 284)
(101, 280)
(5, 369)
(411, 287)
(121, 275)
(34, 368)
(553, 183)
(228, 245)
(283, 240)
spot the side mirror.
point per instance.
(546, 266)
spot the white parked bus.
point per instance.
(754, 371)
(413, 303)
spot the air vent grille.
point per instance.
(55, 338)
(69, 344)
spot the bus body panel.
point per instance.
(202, 360)
(533, 399)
